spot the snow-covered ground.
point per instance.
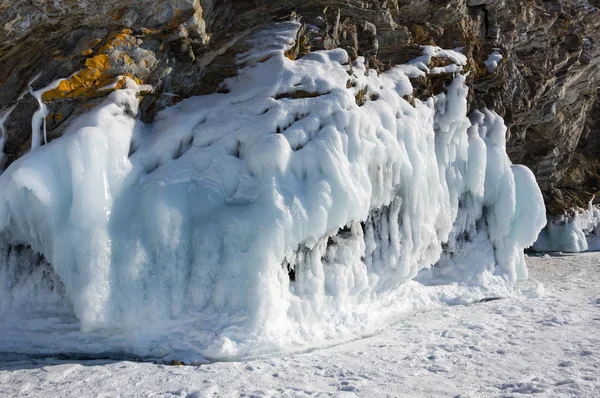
(543, 340)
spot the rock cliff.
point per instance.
(545, 84)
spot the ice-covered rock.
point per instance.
(492, 61)
(296, 207)
(573, 233)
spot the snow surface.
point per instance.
(457, 60)
(542, 340)
(571, 233)
(277, 216)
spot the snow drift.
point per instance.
(307, 203)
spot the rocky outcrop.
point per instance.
(545, 86)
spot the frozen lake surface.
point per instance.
(542, 340)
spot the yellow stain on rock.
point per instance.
(95, 74)
(150, 32)
(100, 62)
(83, 83)
(57, 117)
(124, 37)
(126, 58)
(122, 81)
(175, 20)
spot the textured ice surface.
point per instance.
(297, 208)
(574, 233)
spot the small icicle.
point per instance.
(2, 154)
(4, 114)
(39, 117)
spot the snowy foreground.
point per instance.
(543, 340)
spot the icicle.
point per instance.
(4, 114)
(39, 117)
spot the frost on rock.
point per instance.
(572, 233)
(281, 214)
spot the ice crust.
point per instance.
(572, 233)
(280, 213)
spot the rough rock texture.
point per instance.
(546, 86)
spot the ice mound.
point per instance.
(492, 61)
(296, 208)
(574, 233)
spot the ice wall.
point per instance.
(573, 233)
(299, 206)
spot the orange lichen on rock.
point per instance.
(83, 83)
(89, 51)
(126, 58)
(124, 37)
(175, 20)
(123, 81)
(439, 62)
(100, 62)
(54, 117)
(100, 70)
(119, 13)
(422, 36)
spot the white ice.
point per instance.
(280, 214)
(493, 60)
(4, 114)
(571, 233)
(38, 120)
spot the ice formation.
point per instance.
(38, 121)
(4, 114)
(572, 233)
(493, 60)
(309, 202)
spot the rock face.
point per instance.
(545, 86)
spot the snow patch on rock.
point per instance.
(493, 60)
